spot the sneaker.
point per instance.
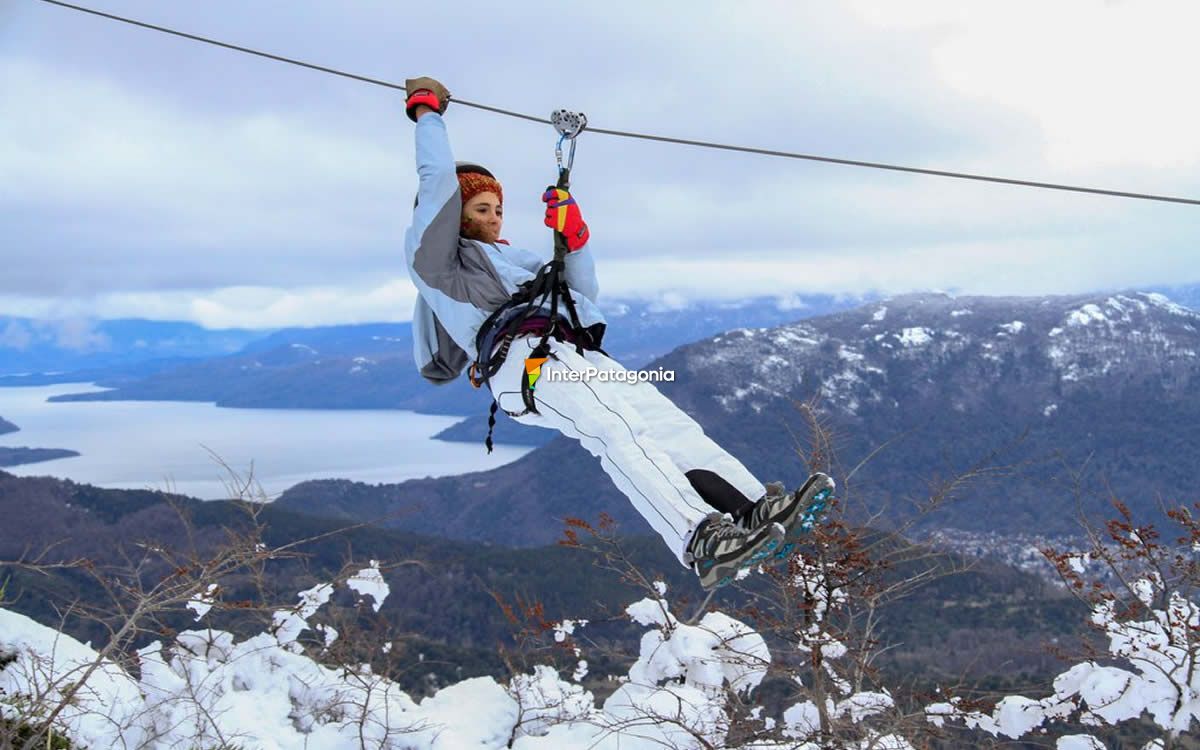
(796, 512)
(719, 548)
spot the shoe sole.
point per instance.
(801, 498)
(717, 573)
(814, 498)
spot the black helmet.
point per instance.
(467, 167)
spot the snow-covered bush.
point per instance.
(1145, 614)
(693, 685)
(205, 688)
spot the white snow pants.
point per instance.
(644, 442)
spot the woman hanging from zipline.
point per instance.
(529, 336)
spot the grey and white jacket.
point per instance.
(460, 281)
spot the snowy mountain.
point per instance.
(370, 365)
(964, 347)
(1187, 295)
(1106, 385)
(1109, 382)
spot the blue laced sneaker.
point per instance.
(797, 512)
(790, 509)
(719, 548)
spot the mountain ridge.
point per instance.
(925, 384)
(370, 366)
(451, 596)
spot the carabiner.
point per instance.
(569, 125)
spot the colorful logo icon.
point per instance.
(533, 369)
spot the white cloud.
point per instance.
(15, 336)
(154, 177)
(1103, 80)
(77, 334)
(231, 307)
(163, 198)
(270, 308)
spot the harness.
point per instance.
(519, 315)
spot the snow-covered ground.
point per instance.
(691, 681)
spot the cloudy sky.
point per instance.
(145, 175)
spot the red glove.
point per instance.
(424, 96)
(427, 91)
(562, 215)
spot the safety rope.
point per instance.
(648, 137)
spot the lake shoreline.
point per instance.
(196, 448)
(23, 456)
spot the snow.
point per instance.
(204, 602)
(566, 628)
(369, 582)
(288, 624)
(1079, 562)
(1016, 715)
(880, 314)
(802, 720)
(960, 313)
(205, 688)
(650, 612)
(1086, 315)
(849, 355)
(797, 334)
(493, 711)
(1013, 328)
(330, 634)
(1165, 303)
(918, 336)
(861, 705)
(1159, 677)
(45, 664)
(1049, 410)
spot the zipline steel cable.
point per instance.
(643, 136)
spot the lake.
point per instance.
(166, 445)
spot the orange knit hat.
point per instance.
(473, 183)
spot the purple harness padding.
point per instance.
(537, 325)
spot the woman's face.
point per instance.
(482, 217)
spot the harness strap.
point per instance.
(491, 424)
(542, 350)
(548, 282)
